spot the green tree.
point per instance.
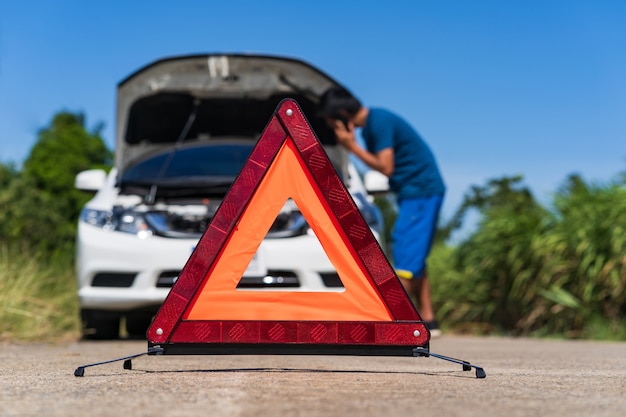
(7, 174)
(41, 203)
(63, 149)
(8, 179)
(498, 193)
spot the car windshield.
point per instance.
(212, 160)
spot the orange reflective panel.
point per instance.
(218, 298)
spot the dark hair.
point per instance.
(336, 102)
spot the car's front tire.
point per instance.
(100, 325)
(137, 324)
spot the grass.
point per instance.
(38, 299)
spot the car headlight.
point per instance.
(118, 220)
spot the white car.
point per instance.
(185, 127)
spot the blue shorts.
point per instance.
(413, 233)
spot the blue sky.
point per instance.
(496, 88)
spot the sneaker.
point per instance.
(433, 327)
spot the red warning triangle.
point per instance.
(204, 307)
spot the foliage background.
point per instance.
(525, 270)
(530, 270)
(40, 208)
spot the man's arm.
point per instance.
(383, 161)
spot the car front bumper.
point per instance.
(123, 272)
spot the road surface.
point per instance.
(525, 377)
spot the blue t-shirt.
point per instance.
(415, 173)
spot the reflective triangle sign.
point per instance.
(205, 312)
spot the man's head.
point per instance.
(339, 104)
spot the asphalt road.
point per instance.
(524, 378)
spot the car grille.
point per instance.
(114, 279)
(331, 279)
(274, 279)
(167, 279)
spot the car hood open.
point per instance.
(229, 96)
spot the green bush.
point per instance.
(530, 271)
(583, 260)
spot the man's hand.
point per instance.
(345, 134)
(382, 161)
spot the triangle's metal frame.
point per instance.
(275, 350)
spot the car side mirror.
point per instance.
(90, 180)
(376, 182)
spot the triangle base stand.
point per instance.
(270, 349)
(80, 371)
(480, 372)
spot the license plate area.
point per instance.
(257, 266)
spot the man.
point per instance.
(395, 149)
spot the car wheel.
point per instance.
(137, 324)
(100, 325)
